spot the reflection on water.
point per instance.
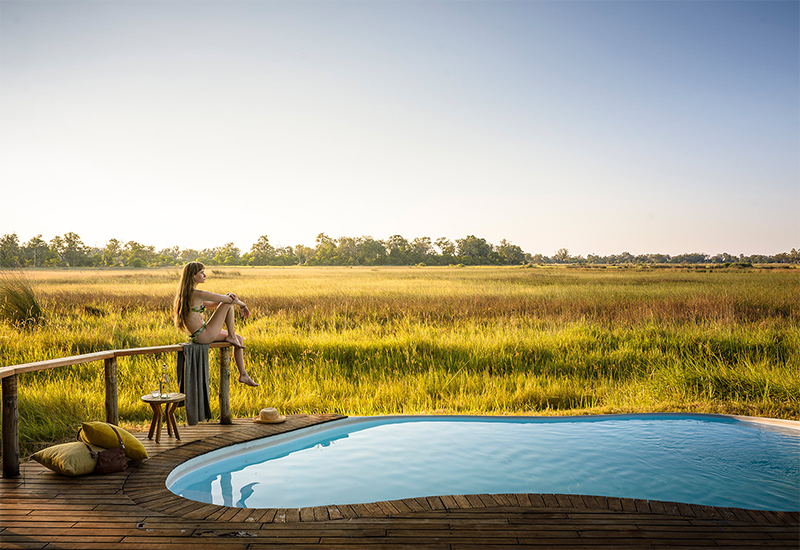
(327, 442)
(246, 492)
(225, 490)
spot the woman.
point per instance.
(188, 310)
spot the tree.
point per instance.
(304, 254)
(420, 250)
(261, 252)
(445, 246)
(206, 256)
(561, 256)
(112, 253)
(510, 254)
(9, 251)
(35, 251)
(137, 255)
(189, 255)
(284, 256)
(372, 252)
(56, 251)
(473, 250)
(73, 251)
(626, 258)
(397, 248)
(658, 258)
(693, 258)
(227, 254)
(594, 259)
(347, 251)
(325, 251)
(169, 256)
(93, 256)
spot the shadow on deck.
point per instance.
(133, 509)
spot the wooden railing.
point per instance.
(11, 412)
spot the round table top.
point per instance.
(173, 397)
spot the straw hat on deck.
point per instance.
(269, 415)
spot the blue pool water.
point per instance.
(700, 459)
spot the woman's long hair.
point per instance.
(183, 298)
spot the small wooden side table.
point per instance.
(171, 403)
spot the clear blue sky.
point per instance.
(597, 126)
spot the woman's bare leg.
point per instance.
(215, 323)
(238, 357)
(215, 333)
(231, 335)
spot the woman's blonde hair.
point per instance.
(183, 298)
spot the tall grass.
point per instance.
(18, 303)
(409, 340)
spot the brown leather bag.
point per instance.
(110, 460)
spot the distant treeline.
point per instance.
(69, 250)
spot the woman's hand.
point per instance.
(236, 301)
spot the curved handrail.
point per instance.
(94, 356)
(8, 375)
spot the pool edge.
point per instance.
(145, 486)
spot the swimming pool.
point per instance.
(700, 459)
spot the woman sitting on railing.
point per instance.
(188, 311)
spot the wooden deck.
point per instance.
(133, 509)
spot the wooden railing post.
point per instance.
(225, 385)
(112, 400)
(10, 427)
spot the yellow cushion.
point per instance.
(101, 434)
(70, 459)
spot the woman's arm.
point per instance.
(212, 300)
(218, 298)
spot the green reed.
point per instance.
(18, 302)
(432, 340)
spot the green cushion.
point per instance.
(70, 459)
(101, 434)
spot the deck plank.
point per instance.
(133, 510)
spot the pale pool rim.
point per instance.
(787, 427)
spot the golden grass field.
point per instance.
(483, 340)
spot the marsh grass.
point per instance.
(18, 302)
(409, 340)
